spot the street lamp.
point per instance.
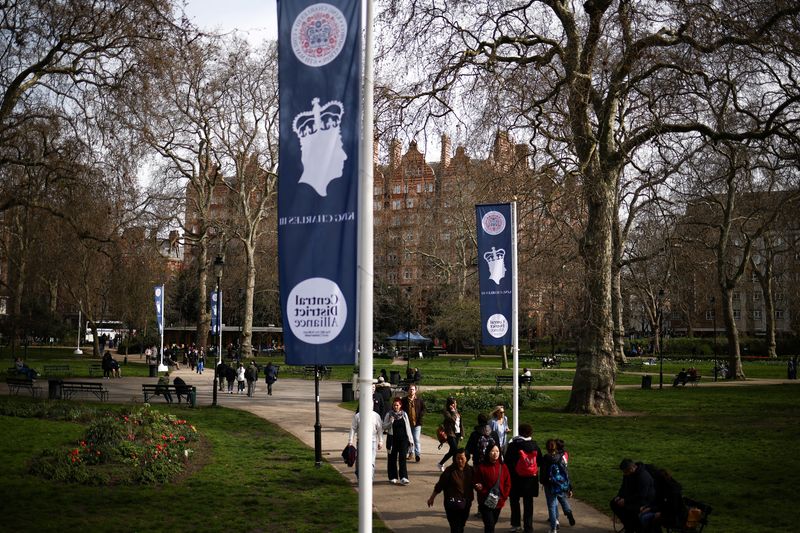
(660, 338)
(712, 301)
(219, 263)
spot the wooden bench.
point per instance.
(464, 362)
(500, 381)
(56, 370)
(155, 389)
(631, 366)
(71, 388)
(95, 368)
(324, 371)
(15, 385)
(691, 380)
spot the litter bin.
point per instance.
(153, 372)
(394, 377)
(647, 382)
(347, 392)
(54, 388)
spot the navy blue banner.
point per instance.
(319, 53)
(495, 272)
(216, 307)
(159, 299)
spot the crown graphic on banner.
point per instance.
(319, 119)
(494, 255)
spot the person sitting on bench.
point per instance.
(681, 379)
(181, 389)
(636, 493)
(162, 388)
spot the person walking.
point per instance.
(201, 360)
(480, 439)
(240, 378)
(376, 434)
(452, 427)
(230, 377)
(524, 459)
(499, 424)
(251, 374)
(271, 376)
(399, 430)
(415, 409)
(457, 483)
(491, 476)
(554, 476)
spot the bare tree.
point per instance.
(593, 83)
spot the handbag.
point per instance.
(441, 434)
(493, 498)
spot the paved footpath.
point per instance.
(401, 508)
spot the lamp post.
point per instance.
(219, 263)
(713, 301)
(660, 337)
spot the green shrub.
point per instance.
(140, 446)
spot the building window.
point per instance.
(710, 314)
(429, 187)
(736, 296)
(419, 188)
(756, 296)
(378, 191)
(779, 314)
(757, 314)
(392, 259)
(407, 256)
(737, 314)
(410, 203)
(397, 204)
(396, 189)
(446, 236)
(407, 274)
(409, 237)
(392, 277)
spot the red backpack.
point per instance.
(526, 464)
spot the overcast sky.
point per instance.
(256, 19)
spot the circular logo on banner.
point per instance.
(497, 326)
(318, 34)
(158, 291)
(316, 310)
(493, 223)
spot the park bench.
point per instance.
(56, 370)
(324, 371)
(156, 389)
(500, 380)
(631, 366)
(95, 368)
(463, 362)
(691, 380)
(15, 385)
(71, 388)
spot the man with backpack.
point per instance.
(524, 460)
(554, 477)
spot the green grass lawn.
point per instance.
(730, 447)
(254, 477)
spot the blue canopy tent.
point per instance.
(409, 337)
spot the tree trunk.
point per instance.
(593, 385)
(616, 313)
(203, 312)
(735, 370)
(250, 283)
(769, 308)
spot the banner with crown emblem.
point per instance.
(495, 272)
(319, 75)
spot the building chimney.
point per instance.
(521, 151)
(395, 154)
(445, 160)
